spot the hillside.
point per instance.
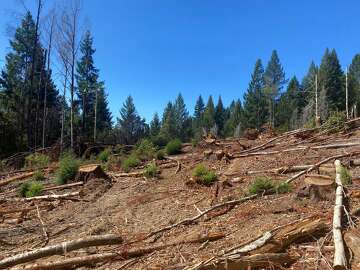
(174, 222)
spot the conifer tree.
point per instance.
(233, 126)
(354, 84)
(274, 78)
(181, 117)
(255, 105)
(168, 123)
(209, 115)
(220, 115)
(131, 127)
(155, 125)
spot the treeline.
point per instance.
(35, 112)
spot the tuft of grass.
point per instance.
(336, 122)
(145, 150)
(261, 185)
(151, 171)
(173, 147)
(204, 175)
(283, 187)
(104, 155)
(31, 189)
(36, 160)
(131, 162)
(345, 176)
(160, 155)
(68, 168)
(38, 176)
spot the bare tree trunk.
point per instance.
(38, 101)
(95, 110)
(63, 111)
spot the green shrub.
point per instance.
(2, 165)
(68, 168)
(283, 187)
(131, 162)
(151, 171)
(311, 123)
(194, 142)
(104, 155)
(38, 176)
(145, 150)
(31, 189)
(173, 147)
(336, 122)
(160, 155)
(160, 140)
(36, 160)
(261, 185)
(204, 175)
(345, 176)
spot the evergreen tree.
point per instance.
(255, 112)
(233, 126)
(168, 125)
(155, 125)
(220, 115)
(103, 114)
(181, 117)
(87, 83)
(354, 84)
(131, 127)
(209, 115)
(199, 109)
(332, 82)
(274, 78)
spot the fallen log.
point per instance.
(25, 209)
(340, 262)
(282, 170)
(22, 176)
(315, 166)
(124, 254)
(66, 196)
(60, 249)
(192, 219)
(64, 186)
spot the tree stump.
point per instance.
(321, 187)
(91, 170)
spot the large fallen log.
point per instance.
(124, 254)
(340, 262)
(66, 196)
(23, 176)
(61, 248)
(65, 186)
(315, 166)
(282, 170)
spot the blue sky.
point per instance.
(154, 49)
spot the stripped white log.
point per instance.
(339, 255)
(253, 245)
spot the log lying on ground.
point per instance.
(282, 170)
(339, 256)
(25, 209)
(66, 196)
(22, 176)
(352, 240)
(61, 248)
(64, 186)
(315, 166)
(125, 254)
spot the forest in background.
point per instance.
(37, 113)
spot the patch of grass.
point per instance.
(145, 150)
(36, 160)
(38, 176)
(68, 168)
(160, 155)
(31, 189)
(345, 176)
(336, 122)
(104, 155)
(173, 147)
(261, 185)
(194, 142)
(151, 171)
(204, 175)
(283, 187)
(131, 162)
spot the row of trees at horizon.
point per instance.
(35, 112)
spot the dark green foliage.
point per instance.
(181, 116)
(220, 117)
(145, 149)
(255, 113)
(208, 120)
(194, 142)
(155, 126)
(203, 175)
(151, 171)
(335, 122)
(30, 189)
(168, 128)
(173, 147)
(160, 155)
(68, 168)
(104, 155)
(130, 126)
(130, 162)
(38, 176)
(261, 185)
(345, 176)
(36, 160)
(233, 126)
(160, 140)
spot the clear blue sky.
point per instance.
(154, 49)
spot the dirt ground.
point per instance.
(134, 206)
